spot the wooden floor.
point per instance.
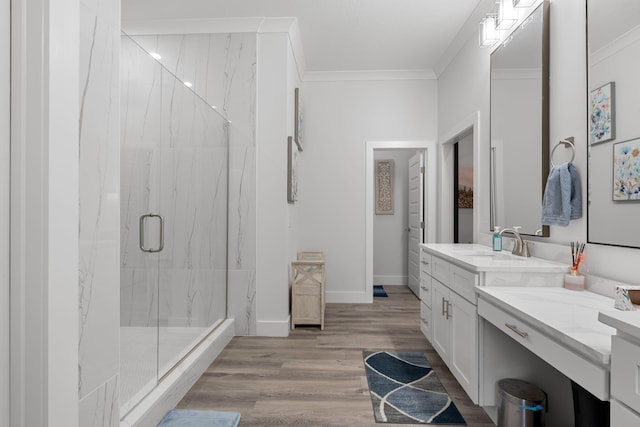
(317, 378)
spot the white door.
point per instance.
(416, 222)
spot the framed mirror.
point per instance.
(520, 125)
(613, 46)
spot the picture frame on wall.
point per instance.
(626, 170)
(292, 170)
(602, 116)
(384, 187)
(299, 120)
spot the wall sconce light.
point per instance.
(488, 33)
(506, 15)
(523, 3)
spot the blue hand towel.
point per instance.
(562, 200)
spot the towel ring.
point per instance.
(565, 142)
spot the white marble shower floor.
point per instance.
(142, 363)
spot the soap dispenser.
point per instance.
(497, 239)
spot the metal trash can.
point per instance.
(520, 404)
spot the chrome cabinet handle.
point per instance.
(142, 220)
(515, 329)
(424, 321)
(424, 262)
(448, 315)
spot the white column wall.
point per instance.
(44, 213)
(275, 94)
(340, 116)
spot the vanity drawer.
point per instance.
(440, 270)
(425, 263)
(425, 290)
(463, 282)
(425, 320)
(591, 376)
(625, 372)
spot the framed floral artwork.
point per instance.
(602, 118)
(626, 170)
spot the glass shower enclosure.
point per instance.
(174, 187)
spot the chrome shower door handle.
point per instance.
(161, 245)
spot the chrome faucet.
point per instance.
(520, 247)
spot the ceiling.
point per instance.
(340, 35)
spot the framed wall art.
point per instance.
(384, 187)
(602, 118)
(299, 121)
(626, 170)
(292, 170)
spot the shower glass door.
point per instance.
(192, 198)
(174, 167)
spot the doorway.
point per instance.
(429, 148)
(463, 189)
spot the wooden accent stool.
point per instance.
(307, 289)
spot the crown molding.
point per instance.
(624, 41)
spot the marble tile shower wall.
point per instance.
(174, 162)
(99, 275)
(222, 69)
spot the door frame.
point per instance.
(430, 148)
(45, 41)
(471, 124)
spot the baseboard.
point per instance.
(177, 383)
(348, 297)
(390, 280)
(274, 328)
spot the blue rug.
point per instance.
(191, 418)
(378, 291)
(405, 390)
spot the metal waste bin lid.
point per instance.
(521, 392)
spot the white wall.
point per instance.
(340, 116)
(464, 88)
(390, 236)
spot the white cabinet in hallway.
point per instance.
(453, 321)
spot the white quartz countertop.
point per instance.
(569, 317)
(625, 321)
(479, 258)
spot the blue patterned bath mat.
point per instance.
(405, 390)
(192, 418)
(378, 291)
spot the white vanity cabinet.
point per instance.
(625, 367)
(453, 323)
